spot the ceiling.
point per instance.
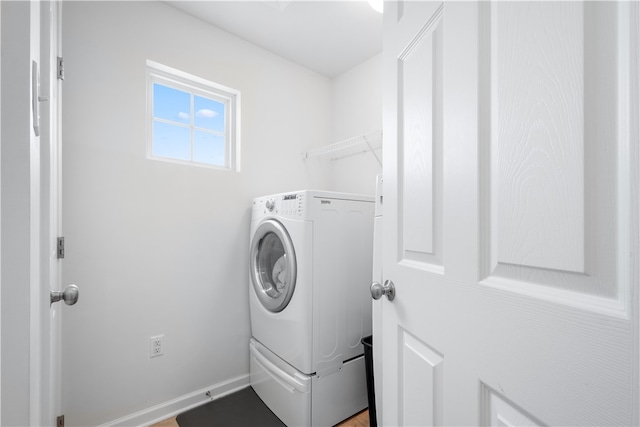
(329, 37)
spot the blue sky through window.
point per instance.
(171, 141)
(171, 104)
(209, 114)
(192, 134)
(208, 148)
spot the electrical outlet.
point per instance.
(156, 346)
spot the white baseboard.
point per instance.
(180, 404)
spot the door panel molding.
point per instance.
(421, 373)
(497, 410)
(585, 267)
(420, 114)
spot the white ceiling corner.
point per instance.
(328, 37)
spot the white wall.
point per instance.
(158, 248)
(357, 110)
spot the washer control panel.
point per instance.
(288, 204)
(291, 204)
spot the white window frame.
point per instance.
(176, 79)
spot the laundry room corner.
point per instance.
(357, 113)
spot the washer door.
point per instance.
(273, 265)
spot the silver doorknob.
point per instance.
(388, 289)
(69, 295)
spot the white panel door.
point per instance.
(511, 213)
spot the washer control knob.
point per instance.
(270, 204)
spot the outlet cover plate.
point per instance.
(156, 346)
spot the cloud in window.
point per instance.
(206, 113)
(182, 115)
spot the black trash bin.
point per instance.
(367, 342)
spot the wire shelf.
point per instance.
(359, 144)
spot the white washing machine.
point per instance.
(310, 304)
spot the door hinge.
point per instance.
(60, 247)
(60, 67)
(60, 421)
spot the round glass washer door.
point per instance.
(273, 265)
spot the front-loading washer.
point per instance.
(310, 260)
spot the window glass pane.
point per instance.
(209, 114)
(190, 119)
(171, 141)
(171, 104)
(209, 148)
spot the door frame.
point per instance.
(31, 36)
(20, 216)
(50, 214)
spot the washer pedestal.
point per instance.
(307, 400)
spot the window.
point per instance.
(191, 120)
